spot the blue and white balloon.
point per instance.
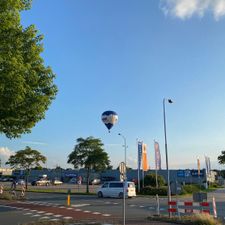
(109, 118)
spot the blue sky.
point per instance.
(127, 56)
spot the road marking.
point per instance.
(33, 210)
(106, 214)
(48, 214)
(80, 205)
(141, 206)
(67, 218)
(44, 218)
(78, 210)
(57, 215)
(55, 220)
(26, 214)
(96, 213)
(69, 208)
(132, 205)
(36, 215)
(86, 211)
(62, 207)
(162, 209)
(115, 203)
(40, 212)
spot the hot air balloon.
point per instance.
(109, 118)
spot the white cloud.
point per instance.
(185, 9)
(5, 153)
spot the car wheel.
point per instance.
(121, 195)
(100, 195)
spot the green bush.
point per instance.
(149, 180)
(190, 188)
(214, 185)
(148, 190)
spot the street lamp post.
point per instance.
(167, 167)
(124, 179)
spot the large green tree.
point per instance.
(26, 84)
(221, 158)
(89, 154)
(26, 159)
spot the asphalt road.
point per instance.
(90, 208)
(83, 207)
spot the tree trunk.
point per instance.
(26, 177)
(88, 178)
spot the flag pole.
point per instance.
(156, 170)
(138, 166)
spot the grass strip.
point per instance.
(198, 219)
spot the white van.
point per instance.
(115, 189)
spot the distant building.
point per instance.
(182, 177)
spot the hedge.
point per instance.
(148, 190)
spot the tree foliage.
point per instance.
(26, 159)
(26, 84)
(150, 180)
(221, 158)
(89, 154)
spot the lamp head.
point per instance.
(170, 101)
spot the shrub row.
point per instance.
(148, 190)
(191, 188)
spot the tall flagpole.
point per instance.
(138, 165)
(156, 169)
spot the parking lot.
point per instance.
(75, 188)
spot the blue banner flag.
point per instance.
(157, 156)
(139, 154)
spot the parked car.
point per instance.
(115, 189)
(95, 181)
(57, 182)
(6, 179)
(73, 180)
(41, 182)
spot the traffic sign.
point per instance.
(122, 168)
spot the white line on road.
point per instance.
(44, 218)
(106, 214)
(48, 214)
(80, 205)
(67, 218)
(40, 212)
(27, 214)
(57, 215)
(96, 213)
(36, 215)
